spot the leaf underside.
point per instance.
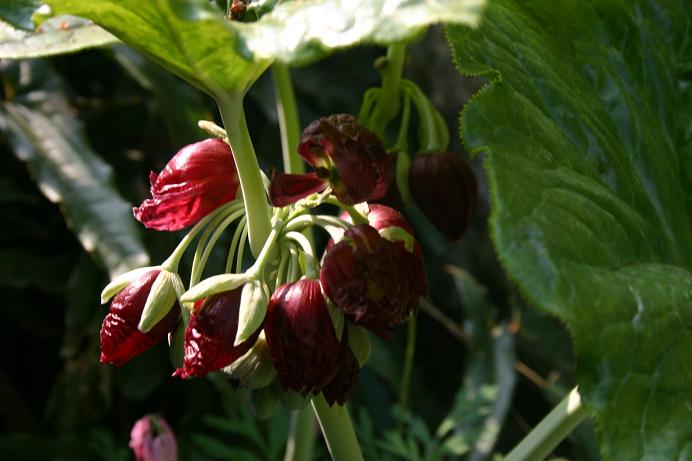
(586, 127)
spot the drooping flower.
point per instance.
(444, 188)
(345, 155)
(197, 180)
(121, 339)
(300, 334)
(375, 282)
(210, 335)
(151, 439)
(341, 387)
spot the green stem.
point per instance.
(408, 368)
(301, 439)
(289, 122)
(337, 430)
(551, 431)
(388, 102)
(254, 196)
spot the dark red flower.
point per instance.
(197, 180)
(340, 389)
(301, 338)
(211, 333)
(444, 188)
(375, 282)
(346, 156)
(120, 338)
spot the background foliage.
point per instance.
(586, 127)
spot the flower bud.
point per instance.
(254, 369)
(301, 337)
(346, 156)
(197, 180)
(121, 339)
(210, 335)
(152, 439)
(444, 188)
(375, 282)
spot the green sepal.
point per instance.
(291, 399)
(213, 285)
(337, 317)
(121, 281)
(160, 300)
(398, 234)
(253, 308)
(254, 369)
(359, 342)
(264, 401)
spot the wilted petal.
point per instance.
(197, 180)
(286, 189)
(121, 340)
(210, 335)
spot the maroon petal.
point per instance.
(197, 180)
(120, 338)
(286, 189)
(340, 389)
(211, 333)
(301, 338)
(445, 189)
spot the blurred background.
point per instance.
(487, 366)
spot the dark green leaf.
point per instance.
(179, 105)
(18, 12)
(44, 133)
(59, 35)
(191, 38)
(587, 135)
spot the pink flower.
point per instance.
(152, 439)
(197, 180)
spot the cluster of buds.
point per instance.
(291, 318)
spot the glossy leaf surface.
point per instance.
(586, 130)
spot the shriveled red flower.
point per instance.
(300, 334)
(120, 338)
(152, 439)
(345, 155)
(444, 188)
(340, 389)
(375, 282)
(197, 180)
(210, 335)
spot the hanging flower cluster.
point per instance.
(287, 319)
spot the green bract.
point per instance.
(586, 127)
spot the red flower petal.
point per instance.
(286, 189)
(120, 338)
(197, 180)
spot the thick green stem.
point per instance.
(288, 118)
(551, 431)
(254, 196)
(337, 430)
(389, 99)
(301, 440)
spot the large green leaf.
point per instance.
(194, 40)
(191, 38)
(44, 133)
(586, 127)
(60, 35)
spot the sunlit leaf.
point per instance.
(44, 133)
(586, 128)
